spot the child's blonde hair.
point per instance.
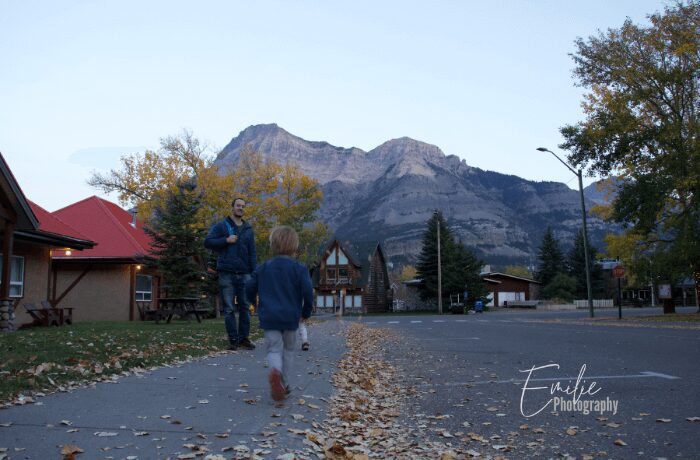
(284, 241)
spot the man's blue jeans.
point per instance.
(233, 286)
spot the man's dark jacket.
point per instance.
(239, 257)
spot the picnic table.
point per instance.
(181, 306)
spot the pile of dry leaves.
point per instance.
(364, 414)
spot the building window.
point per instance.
(348, 301)
(144, 287)
(16, 275)
(358, 301)
(324, 301)
(337, 257)
(330, 274)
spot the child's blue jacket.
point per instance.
(285, 293)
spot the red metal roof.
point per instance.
(48, 223)
(109, 226)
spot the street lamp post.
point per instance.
(579, 174)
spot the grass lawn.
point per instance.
(46, 359)
(670, 318)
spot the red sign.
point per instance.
(619, 271)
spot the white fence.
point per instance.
(597, 303)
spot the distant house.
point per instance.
(684, 292)
(352, 277)
(504, 288)
(501, 286)
(408, 296)
(106, 282)
(29, 235)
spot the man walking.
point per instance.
(233, 240)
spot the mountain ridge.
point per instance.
(391, 191)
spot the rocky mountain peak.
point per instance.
(406, 148)
(254, 136)
(406, 156)
(318, 159)
(390, 192)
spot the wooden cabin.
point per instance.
(111, 281)
(29, 235)
(352, 278)
(504, 288)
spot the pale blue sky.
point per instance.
(489, 81)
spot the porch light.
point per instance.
(138, 267)
(68, 252)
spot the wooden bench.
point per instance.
(65, 313)
(48, 315)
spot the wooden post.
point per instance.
(7, 240)
(6, 309)
(439, 261)
(132, 291)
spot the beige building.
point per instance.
(29, 235)
(109, 281)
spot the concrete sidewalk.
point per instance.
(221, 404)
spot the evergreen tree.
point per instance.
(576, 268)
(550, 259)
(460, 267)
(561, 287)
(470, 276)
(427, 266)
(178, 242)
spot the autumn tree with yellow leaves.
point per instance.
(642, 126)
(275, 194)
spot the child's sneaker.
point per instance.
(305, 346)
(277, 390)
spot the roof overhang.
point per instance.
(506, 275)
(492, 281)
(52, 239)
(76, 260)
(16, 200)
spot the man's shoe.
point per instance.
(277, 390)
(246, 344)
(233, 347)
(305, 346)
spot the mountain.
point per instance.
(600, 192)
(391, 191)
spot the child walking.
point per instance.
(283, 287)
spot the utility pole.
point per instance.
(437, 215)
(589, 285)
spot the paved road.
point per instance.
(463, 369)
(468, 369)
